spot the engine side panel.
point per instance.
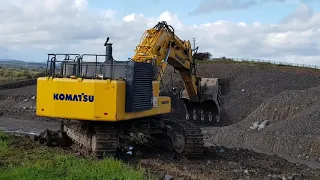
(139, 86)
(86, 99)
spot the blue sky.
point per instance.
(286, 30)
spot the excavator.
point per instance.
(106, 107)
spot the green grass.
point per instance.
(3, 143)
(21, 158)
(16, 74)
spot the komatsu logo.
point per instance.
(73, 97)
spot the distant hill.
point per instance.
(21, 64)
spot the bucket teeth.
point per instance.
(203, 118)
(206, 112)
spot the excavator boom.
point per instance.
(160, 46)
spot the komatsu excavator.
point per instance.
(108, 106)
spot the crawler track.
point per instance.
(103, 138)
(105, 141)
(194, 145)
(99, 138)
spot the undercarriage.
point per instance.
(109, 139)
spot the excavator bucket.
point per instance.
(207, 111)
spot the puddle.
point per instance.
(21, 133)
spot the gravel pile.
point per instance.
(293, 126)
(245, 86)
(19, 102)
(294, 112)
(285, 98)
(19, 93)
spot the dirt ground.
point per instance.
(217, 163)
(224, 163)
(17, 114)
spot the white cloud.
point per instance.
(257, 24)
(31, 30)
(302, 13)
(207, 6)
(171, 19)
(130, 17)
(242, 24)
(80, 4)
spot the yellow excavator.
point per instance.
(108, 106)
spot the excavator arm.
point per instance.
(160, 46)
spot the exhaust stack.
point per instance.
(108, 46)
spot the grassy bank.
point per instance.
(22, 158)
(16, 74)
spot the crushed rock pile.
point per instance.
(246, 86)
(293, 126)
(294, 112)
(19, 93)
(19, 102)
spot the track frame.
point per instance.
(104, 139)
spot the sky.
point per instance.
(279, 30)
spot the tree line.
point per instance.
(202, 56)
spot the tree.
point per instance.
(202, 56)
